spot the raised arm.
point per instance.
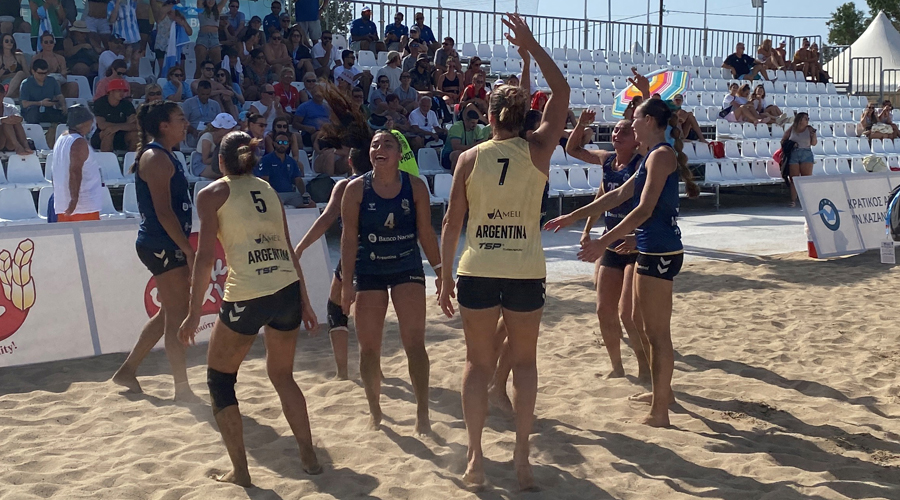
(575, 144)
(596, 208)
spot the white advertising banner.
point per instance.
(92, 295)
(845, 213)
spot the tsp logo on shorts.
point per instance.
(829, 214)
(17, 283)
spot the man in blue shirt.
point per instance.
(308, 12)
(396, 35)
(199, 109)
(425, 34)
(310, 116)
(364, 33)
(271, 22)
(282, 173)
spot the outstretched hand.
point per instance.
(640, 82)
(587, 118)
(558, 223)
(519, 32)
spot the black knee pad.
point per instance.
(221, 389)
(336, 317)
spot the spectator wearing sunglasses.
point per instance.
(199, 109)
(268, 105)
(277, 54)
(256, 74)
(282, 124)
(299, 51)
(445, 52)
(473, 69)
(175, 89)
(223, 78)
(361, 78)
(282, 173)
(426, 36)
(396, 35)
(153, 92)
(220, 93)
(309, 81)
(116, 71)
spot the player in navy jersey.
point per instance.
(162, 243)
(615, 270)
(386, 215)
(653, 190)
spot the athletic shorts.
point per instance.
(97, 25)
(518, 295)
(445, 160)
(82, 217)
(313, 29)
(281, 310)
(208, 40)
(144, 26)
(160, 261)
(664, 267)
(370, 282)
(617, 260)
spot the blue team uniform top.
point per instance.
(151, 233)
(660, 233)
(363, 26)
(388, 237)
(612, 179)
(400, 31)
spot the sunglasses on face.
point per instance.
(326, 38)
(282, 143)
(276, 38)
(268, 92)
(154, 94)
(221, 75)
(41, 72)
(178, 75)
(49, 42)
(120, 73)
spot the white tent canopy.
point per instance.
(880, 39)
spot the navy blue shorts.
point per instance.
(369, 282)
(160, 261)
(664, 267)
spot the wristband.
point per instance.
(440, 265)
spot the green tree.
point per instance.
(337, 16)
(846, 24)
(891, 9)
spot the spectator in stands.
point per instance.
(115, 50)
(309, 81)
(226, 39)
(153, 93)
(426, 36)
(462, 136)
(283, 174)
(448, 81)
(269, 106)
(276, 53)
(256, 74)
(742, 109)
(424, 122)
(272, 22)
(801, 161)
(821, 74)
(742, 66)
(415, 50)
(255, 125)
(13, 70)
(255, 23)
(81, 55)
(77, 185)
(360, 100)
(408, 96)
(763, 106)
(421, 78)
(396, 35)
(123, 19)
(310, 116)
(11, 20)
(473, 69)
(690, 129)
(199, 109)
(362, 78)
(288, 95)
(884, 128)
(206, 163)
(325, 54)
(282, 124)
(378, 95)
(42, 99)
(250, 41)
(208, 46)
(46, 15)
(117, 128)
(805, 61)
(364, 33)
(300, 53)
(391, 70)
(768, 56)
(222, 94)
(285, 20)
(867, 120)
(167, 17)
(398, 114)
(308, 12)
(224, 78)
(175, 89)
(445, 52)
(781, 50)
(116, 71)
(475, 94)
(12, 133)
(56, 64)
(97, 21)
(237, 21)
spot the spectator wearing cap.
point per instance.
(462, 136)
(396, 35)
(308, 12)
(325, 55)
(77, 185)
(422, 74)
(81, 55)
(391, 70)
(473, 69)
(205, 161)
(446, 51)
(255, 23)
(424, 121)
(282, 173)
(116, 71)
(408, 96)
(426, 36)
(415, 50)
(743, 66)
(199, 109)
(117, 128)
(364, 33)
(12, 133)
(356, 75)
(42, 99)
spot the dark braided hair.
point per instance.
(664, 117)
(149, 117)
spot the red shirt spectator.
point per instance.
(539, 100)
(470, 93)
(288, 95)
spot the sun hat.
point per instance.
(224, 121)
(79, 26)
(118, 84)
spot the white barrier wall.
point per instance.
(845, 213)
(92, 295)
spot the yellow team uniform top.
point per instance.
(503, 237)
(251, 230)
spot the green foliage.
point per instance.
(847, 23)
(337, 16)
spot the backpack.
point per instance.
(319, 188)
(718, 148)
(892, 219)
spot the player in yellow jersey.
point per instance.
(264, 289)
(502, 269)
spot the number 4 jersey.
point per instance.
(503, 237)
(251, 230)
(388, 236)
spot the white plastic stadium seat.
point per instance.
(500, 51)
(731, 150)
(429, 163)
(44, 201)
(558, 158)
(129, 201)
(442, 183)
(108, 210)
(595, 176)
(34, 132)
(559, 183)
(109, 169)
(25, 172)
(469, 50)
(578, 180)
(366, 59)
(17, 207)
(23, 42)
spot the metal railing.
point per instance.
(484, 26)
(866, 76)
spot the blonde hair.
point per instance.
(508, 107)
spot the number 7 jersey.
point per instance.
(503, 237)
(251, 230)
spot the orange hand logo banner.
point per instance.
(18, 290)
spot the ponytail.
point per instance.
(693, 191)
(236, 151)
(508, 106)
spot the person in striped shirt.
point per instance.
(123, 18)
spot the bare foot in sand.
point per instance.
(474, 476)
(423, 425)
(187, 396)
(644, 375)
(128, 380)
(374, 422)
(310, 462)
(523, 471)
(656, 421)
(616, 373)
(341, 376)
(498, 397)
(647, 398)
(235, 478)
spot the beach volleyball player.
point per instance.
(162, 243)
(386, 215)
(654, 191)
(502, 268)
(615, 270)
(264, 289)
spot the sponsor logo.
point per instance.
(497, 214)
(372, 238)
(829, 214)
(18, 291)
(643, 268)
(404, 204)
(663, 262)
(371, 207)
(266, 270)
(267, 254)
(267, 238)
(490, 246)
(501, 232)
(372, 256)
(215, 290)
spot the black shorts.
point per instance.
(119, 143)
(160, 261)
(281, 310)
(144, 26)
(475, 292)
(664, 267)
(616, 260)
(369, 282)
(338, 272)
